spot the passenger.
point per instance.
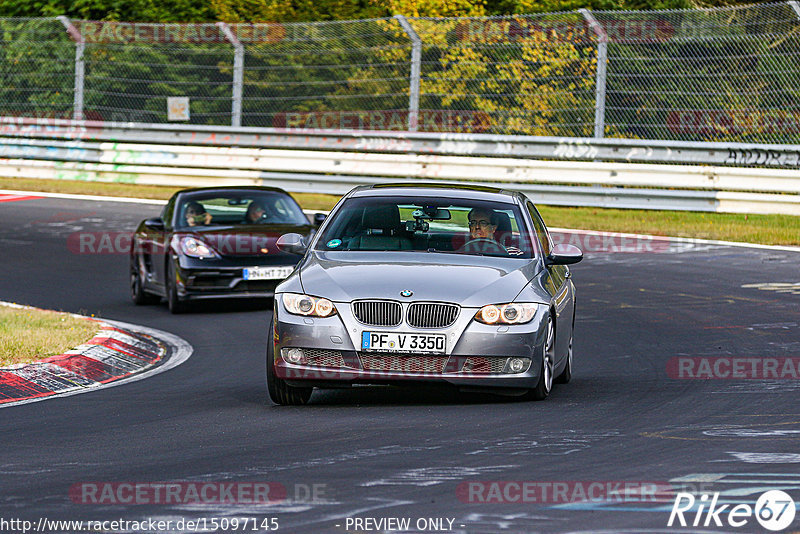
(196, 214)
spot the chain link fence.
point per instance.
(728, 74)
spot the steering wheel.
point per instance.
(484, 245)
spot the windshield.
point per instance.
(428, 224)
(238, 208)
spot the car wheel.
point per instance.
(174, 302)
(138, 295)
(566, 374)
(279, 391)
(545, 384)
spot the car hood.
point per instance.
(470, 281)
(246, 240)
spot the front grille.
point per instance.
(324, 358)
(378, 312)
(482, 365)
(431, 315)
(257, 285)
(403, 363)
(209, 280)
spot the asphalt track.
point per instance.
(401, 453)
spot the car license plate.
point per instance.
(402, 342)
(267, 273)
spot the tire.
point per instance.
(279, 391)
(174, 302)
(545, 384)
(138, 295)
(566, 374)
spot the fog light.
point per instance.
(516, 365)
(294, 356)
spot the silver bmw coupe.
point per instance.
(425, 283)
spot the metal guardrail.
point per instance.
(334, 162)
(555, 148)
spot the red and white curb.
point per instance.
(119, 353)
(15, 197)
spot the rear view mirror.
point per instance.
(292, 243)
(319, 218)
(436, 214)
(564, 254)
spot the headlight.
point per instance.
(195, 248)
(512, 313)
(308, 306)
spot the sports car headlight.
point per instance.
(308, 305)
(193, 247)
(512, 313)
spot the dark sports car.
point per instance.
(458, 285)
(214, 243)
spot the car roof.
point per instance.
(234, 189)
(464, 191)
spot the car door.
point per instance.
(558, 283)
(153, 243)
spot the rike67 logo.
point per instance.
(774, 510)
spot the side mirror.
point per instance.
(292, 243)
(319, 218)
(156, 224)
(564, 254)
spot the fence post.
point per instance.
(600, 82)
(80, 46)
(416, 61)
(238, 73)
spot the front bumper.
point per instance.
(202, 279)
(477, 355)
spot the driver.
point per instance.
(482, 226)
(255, 211)
(482, 223)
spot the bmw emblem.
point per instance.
(406, 293)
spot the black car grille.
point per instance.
(431, 315)
(378, 312)
(399, 363)
(483, 365)
(324, 358)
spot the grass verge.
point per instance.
(765, 229)
(27, 335)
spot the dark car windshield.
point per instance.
(237, 208)
(431, 224)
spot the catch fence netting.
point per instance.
(726, 74)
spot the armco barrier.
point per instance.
(334, 162)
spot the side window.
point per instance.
(169, 209)
(541, 231)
